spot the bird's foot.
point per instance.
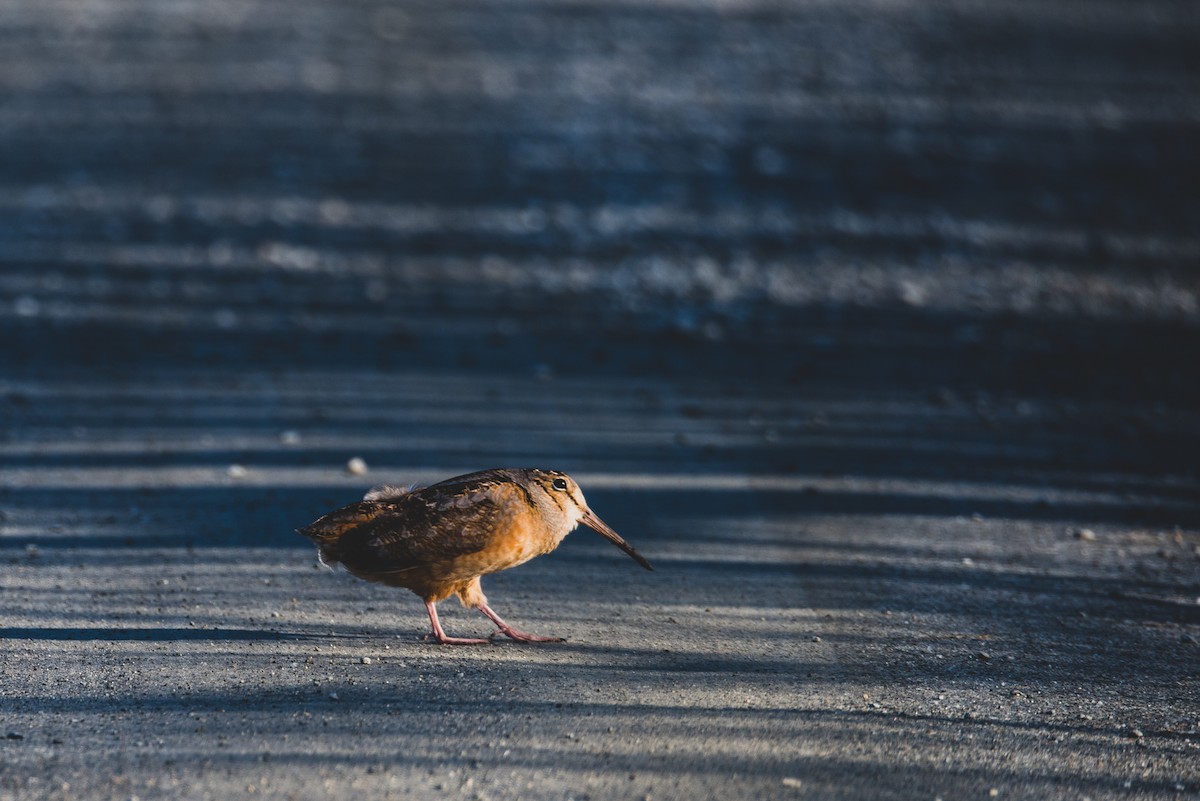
(442, 639)
(523, 636)
(439, 635)
(511, 631)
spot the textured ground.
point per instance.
(874, 326)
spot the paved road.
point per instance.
(873, 326)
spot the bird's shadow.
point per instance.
(153, 634)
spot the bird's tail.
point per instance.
(326, 542)
(327, 532)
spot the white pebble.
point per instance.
(237, 471)
(356, 466)
(225, 319)
(27, 306)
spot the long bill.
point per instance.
(597, 525)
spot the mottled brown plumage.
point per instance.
(437, 541)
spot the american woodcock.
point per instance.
(437, 541)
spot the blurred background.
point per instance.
(270, 234)
(229, 222)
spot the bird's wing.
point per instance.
(429, 525)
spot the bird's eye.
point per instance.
(559, 483)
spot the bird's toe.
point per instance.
(444, 640)
(524, 636)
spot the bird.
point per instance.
(439, 540)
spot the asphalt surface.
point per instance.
(874, 326)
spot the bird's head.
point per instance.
(560, 497)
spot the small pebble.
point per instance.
(12, 735)
(26, 306)
(1135, 734)
(236, 471)
(788, 781)
(1084, 534)
(289, 437)
(984, 655)
(225, 319)
(356, 466)
(366, 660)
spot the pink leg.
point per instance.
(440, 635)
(509, 631)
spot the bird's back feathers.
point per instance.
(394, 532)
